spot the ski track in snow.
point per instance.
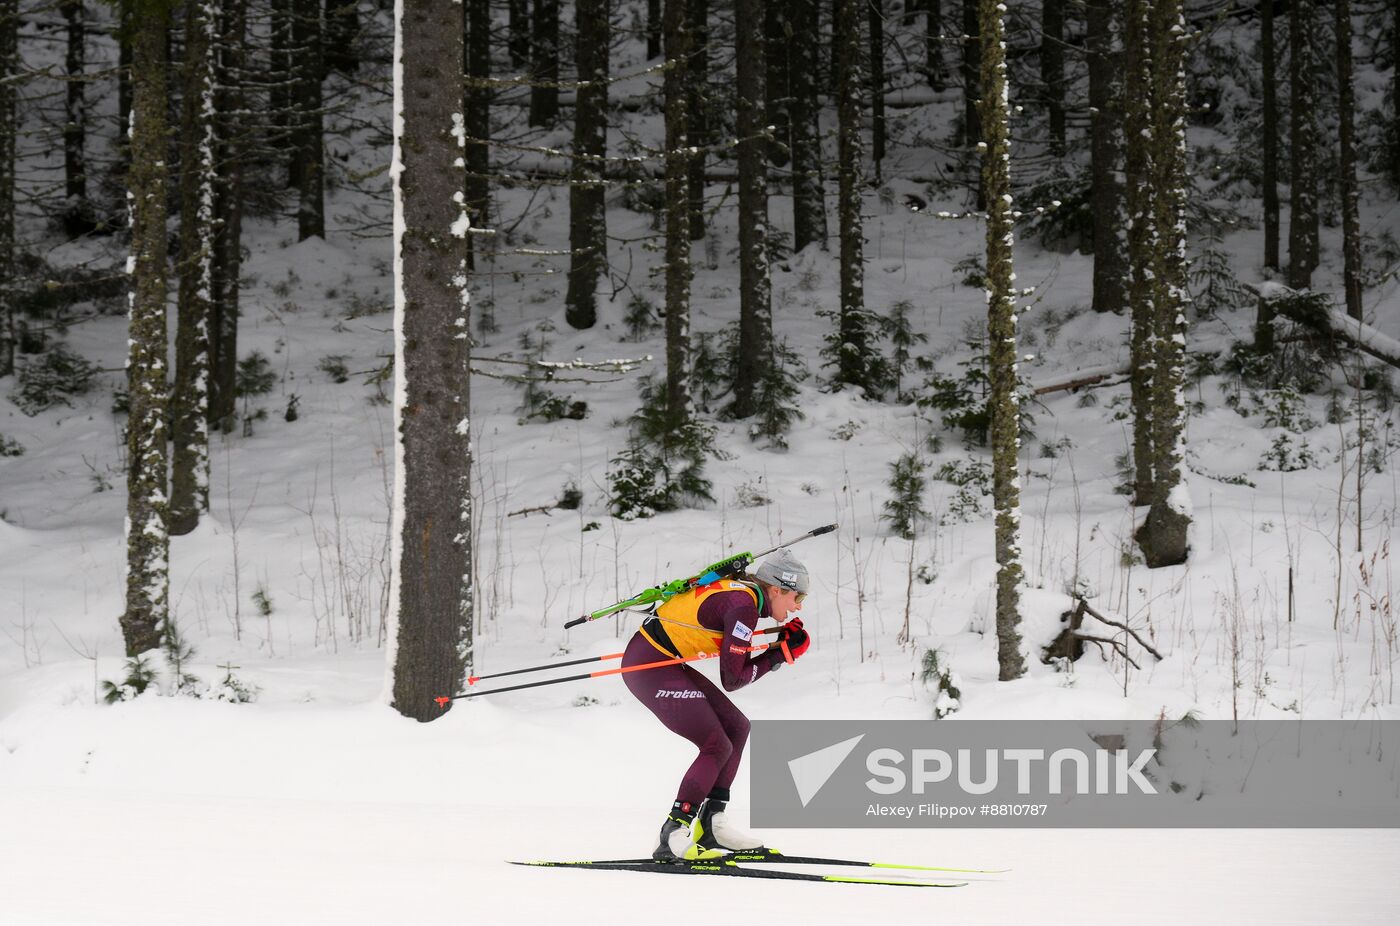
(119, 858)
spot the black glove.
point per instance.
(797, 640)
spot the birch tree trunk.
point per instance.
(755, 288)
(431, 596)
(147, 543)
(588, 224)
(189, 482)
(1003, 401)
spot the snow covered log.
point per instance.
(1315, 311)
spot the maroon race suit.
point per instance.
(690, 705)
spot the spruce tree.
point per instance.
(9, 131)
(1002, 401)
(755, 288)
(1346, 137)
(854, 351)
(189, 481)
(808, 196)
(1052, 68)
(477, 111)
(231, 131)
(1302, 155)
(147, 543)
(677, 211)
(1106, 154)
(544, 63)
(309, 136)
(698, 129)
(1138, 170)
(1268, 145)
(875, 17)
(431, 597)
(78, 217)
(588, 224)
(1163, 537)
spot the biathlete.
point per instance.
(719, 618)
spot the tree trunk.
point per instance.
(431, 598)
(283, 100)
(808, 196)
(1106, 154)
(310, 133)
(189, 481)
(698, 122)
(341, 30)
(853, 360)
(1302, 216)
(1052, 67)
(653, 29)
(971, 74)
(1002, 402)
(778, 35)
(1137, 159)
(875, 14)
(228, 214)
(1351, 223)
(9, 131)
(677, 101)
(755, 288)
(147, 543)
(544, 51)
(1269, 143)
(518, 42)
(123, 37)
(1163, 536)
(934, 71)
(588, 224)
(478, 122)
(78, 218)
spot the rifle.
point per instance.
(660, 594)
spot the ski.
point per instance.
(772, 856)
(731, 869)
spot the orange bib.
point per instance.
(679, 621)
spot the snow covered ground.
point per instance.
(316, 803)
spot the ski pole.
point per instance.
(726, 567)
(443, 701)
(473, 679)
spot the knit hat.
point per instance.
(782, 569)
